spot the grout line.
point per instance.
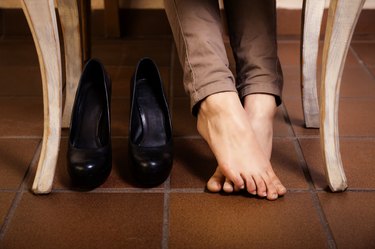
(165, 232)
(361, 62)
(323, 221)
(288, 121)
(303, 164)
(20, 192)
(21, 137)
(179, 190)
(314, 195)
(167, 184)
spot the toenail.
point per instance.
(264, 194)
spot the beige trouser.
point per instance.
(198, 33)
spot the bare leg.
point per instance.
(224, 124)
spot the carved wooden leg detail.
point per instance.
(69, 18)
(41, 18)
(311, 22)
(342, 18)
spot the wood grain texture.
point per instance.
(312, 14)
(41, 18)
(70, 26)
(342, 18)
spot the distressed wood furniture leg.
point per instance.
(312, 14)
(41, 18)
(342, 18)
(84, 7)
(70, 25)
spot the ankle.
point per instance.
(219, 103)
(260, 107)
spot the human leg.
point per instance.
(222, 121)
(252, 30)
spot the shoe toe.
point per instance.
(88, 171)
(152, 168)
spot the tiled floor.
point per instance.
(180, 213)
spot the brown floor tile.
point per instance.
(289, 54)
(357, 157)
(281, 128)
(15, 158)
(195, 163)
(356, 82)
(184, 124)
(120, 108)
(365, 51)
(20, 81)
(6, 199)
(18, 52)
(372, 70)
(351, 218)
(295, 113)
(122, 214)
(86, 221)
(356, 117)
(286, 165)
(215, 221)
(21, 116)
(128, 52)
(292, 85)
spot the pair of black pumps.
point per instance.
(150, 129)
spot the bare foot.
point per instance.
(242, 163)
(261, 110)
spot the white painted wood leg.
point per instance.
(69, 18)
(342, 18)
(311, 22)
(41, 18)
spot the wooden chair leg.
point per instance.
(84, 7)
(342, 18)
(41, 18)
(70, 25)
(312, 14)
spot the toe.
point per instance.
(260, 186)
(228, 186)
(271, 189)
(214, 184)
(250, 185)
(234, 177)
(281, 190)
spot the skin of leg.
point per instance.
(261, 110)
(222, 121)
(252, 32)
(224, 124)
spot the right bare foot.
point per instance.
(223, 123)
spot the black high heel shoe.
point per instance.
(89, 150)
(150, 129)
